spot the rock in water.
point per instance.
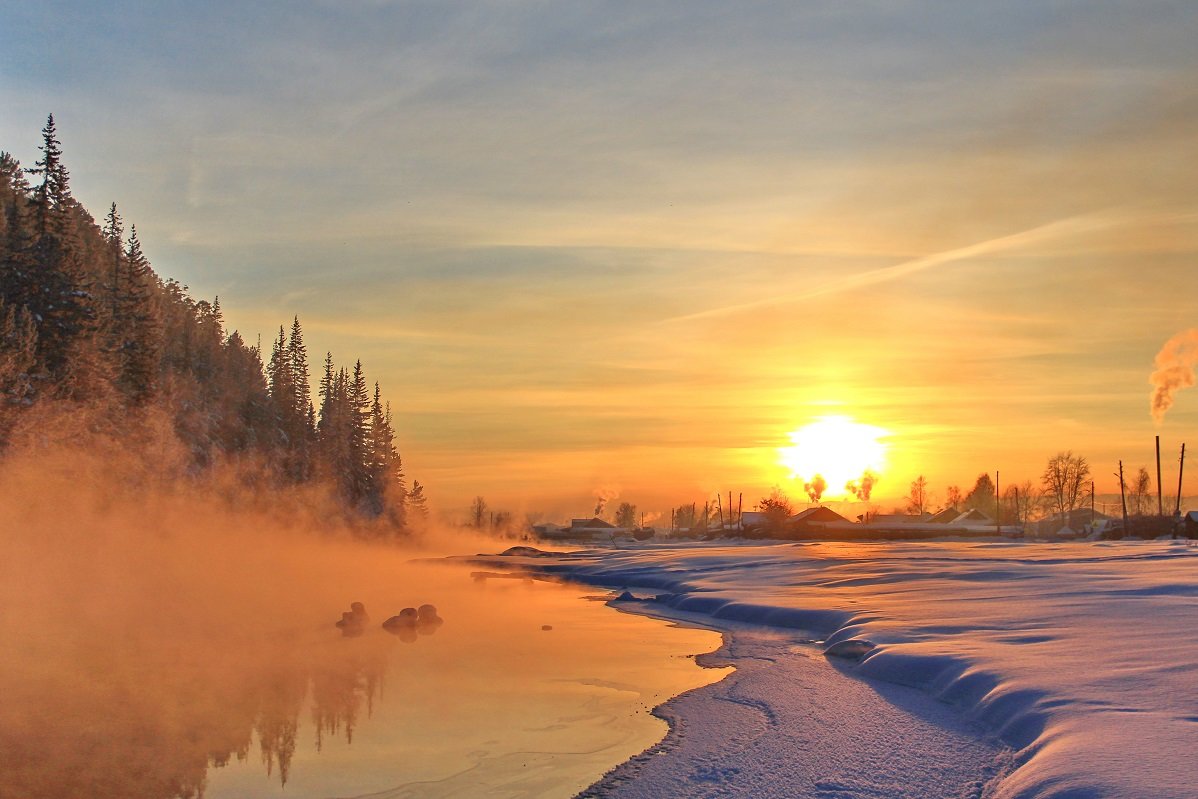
(354, 621)
(406, 619)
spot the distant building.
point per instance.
(897, 518)
(593, 523)
(973, 516)
(1191, 524)
(593, 529)
(819, 522)
(1071, 524)
(753, 520)
(818, 515)
(945, 516)
(948, 522)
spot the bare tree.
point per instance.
(953, 497)
(626, 516)
(917, 500)
(478, 513)
(1019, 502)
(1064, 479)
(1140, 490)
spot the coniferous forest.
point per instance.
(89, 331)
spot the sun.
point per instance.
(842, 452)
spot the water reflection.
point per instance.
(235, 703)
(102, 730)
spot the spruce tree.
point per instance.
(282, 388)
(296, 407)
(297, 358)
(114, 232)
(417, 504)
(326, 395)
(53, 195)
(358, 401)
(55, 292)
(136, 324)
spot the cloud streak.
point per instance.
(1062, 228)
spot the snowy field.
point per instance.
(990, 669)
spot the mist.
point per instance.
(173, 634)
(157, 621)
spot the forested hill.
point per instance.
(87, 325)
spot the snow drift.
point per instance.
(1081, 657)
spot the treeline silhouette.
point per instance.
(85, 323)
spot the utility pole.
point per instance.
(1123, 495)
(1181, 468)
(1160, 505)
(997, 506)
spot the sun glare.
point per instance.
(847, 455)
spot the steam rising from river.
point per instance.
(156, 625)
(153, 624)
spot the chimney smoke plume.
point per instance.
(1174, 371)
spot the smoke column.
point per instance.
(604, 495)
(1174, 371)
(862, 487)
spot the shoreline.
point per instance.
(1009, 637)
(847, 736)
(889, 727)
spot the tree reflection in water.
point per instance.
(148, 718)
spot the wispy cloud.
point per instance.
(1060, 229)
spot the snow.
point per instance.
(1001, 669)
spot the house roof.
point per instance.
(945, 516)
(972, 515)
(1079, 514)
(819, 514)
(594, 523)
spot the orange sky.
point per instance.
(625, 250)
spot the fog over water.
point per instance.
(160, 644)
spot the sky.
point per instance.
(624, 249)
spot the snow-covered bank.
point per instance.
(1083, 657)
(788, 724)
